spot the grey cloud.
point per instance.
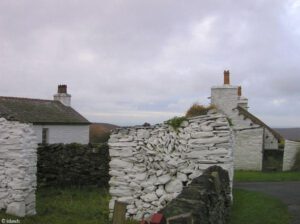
(128, 62)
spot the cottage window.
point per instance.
(45, 136)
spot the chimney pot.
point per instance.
(239, 91)
(226, 77)
(62, 89)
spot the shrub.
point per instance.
(176, 122)
(197, 110)
(281, 144)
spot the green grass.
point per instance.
(257, 208)
(90, 206)
(69, 206)
(64, 206)
(244, 176)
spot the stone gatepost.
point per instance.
(18, 161)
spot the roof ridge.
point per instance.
(25, 98)
(259, 121)
(39, 111)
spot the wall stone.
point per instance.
(290, 150)
(207, 198)
(17, 168)
(73, 165)
(150, 165)
(248, 150)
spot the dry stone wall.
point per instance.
(207, 199)
(150, 166)
(72, 165)
(17, 168)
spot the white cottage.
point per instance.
(253, 138)
(54, 121)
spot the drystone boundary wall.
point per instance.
(73, 165)
(207, 199)
(290, 151)
(150, 166)
(17, 168)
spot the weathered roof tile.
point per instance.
(38, 111)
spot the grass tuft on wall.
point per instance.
(197, 110)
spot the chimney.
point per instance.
(62, 89)
(226, 77)
(239, 91)
(62, 95)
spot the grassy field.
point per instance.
(90, 206)
(257, 208)
(58, 206)
(250, 176)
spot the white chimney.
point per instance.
(62, 95)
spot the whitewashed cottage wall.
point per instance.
(270, 142)
(248, 149)
(64, 133)
(17, 168)
(150, 165)
(291, 148)
(251, 138)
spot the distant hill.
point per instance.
(99, 132)
(289, 133)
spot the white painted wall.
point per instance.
(248, 149)
(270, 141)
(64, 133)
(290, 150)
(17, 168)
(64, 98)
(225, 98)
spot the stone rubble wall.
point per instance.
(17, 168)
(290, 151)
(207, 199)
(69, 165)
(150, 166)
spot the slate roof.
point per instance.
(256, 120)
(38, 111)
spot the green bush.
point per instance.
(176, 122)
(197, 110)
(281, 144)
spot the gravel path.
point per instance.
(288, 192)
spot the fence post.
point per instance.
(119, 216)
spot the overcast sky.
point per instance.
(130, 61)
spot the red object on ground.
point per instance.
(158, 218)
(144, 222)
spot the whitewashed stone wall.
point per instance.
(150, 165)
(17, 168)
(248, 149)
(291, 148)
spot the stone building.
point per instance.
(254, 140)
(54, 121)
